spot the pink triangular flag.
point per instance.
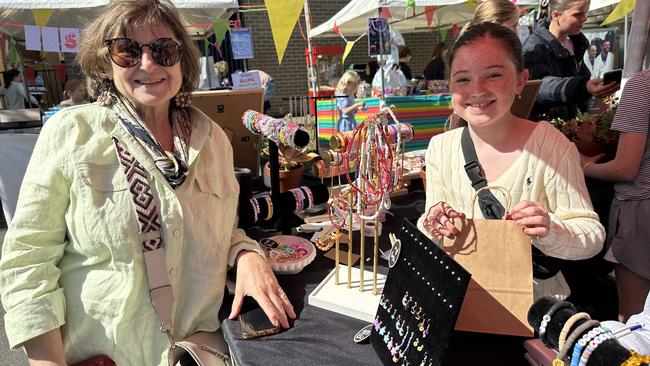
(454, 31)
(385, 13)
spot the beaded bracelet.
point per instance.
(592, 346)
(583, 342)
(636, 359)
(269, 207)
(299, 197)
(567, 326)
(547, 318)
(310, 196)
(562, 357)
(256, 208)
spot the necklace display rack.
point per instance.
(420, 303)
(371, 147)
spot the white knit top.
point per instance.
(547, 171)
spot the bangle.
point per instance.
(256, 208)
(269, 207)
(584, 358)
(636, 359)
(310, 196)
(547, 318)
(562, 357)
(567, 327)
(587, 164)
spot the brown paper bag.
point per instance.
(498, 255)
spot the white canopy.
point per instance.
(352, 19)
(78, 13)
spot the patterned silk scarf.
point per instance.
(172, 165)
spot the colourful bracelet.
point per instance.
(548, 316)
(584, 358)
(567, 326)
(562, 357)
(256, 208)
(310, 196)
(269, 207)
(584, 342)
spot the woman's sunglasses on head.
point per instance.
(126, 52)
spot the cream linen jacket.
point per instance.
(72, 256)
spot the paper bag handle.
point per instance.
(503, 191)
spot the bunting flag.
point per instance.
(220, 27)
(443, 34)
(336, 29)
(50, 39)
(348, 48)
(623, 8)
(429, 11)
(69, 39)
(206, 47)
(13, 54)
(283, 15)
(41, 16)
(385, 13)
(410, 3)
(471, 4)
(454, 31)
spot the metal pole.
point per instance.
(625, 35)
(312, 73)
(382, 61)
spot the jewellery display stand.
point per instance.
(421, 300)
(337, 298)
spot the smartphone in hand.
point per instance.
(254, 323)
(614, 75)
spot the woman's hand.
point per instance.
(255, 278)
(533, 217)
(440, 220)
(596, 88)
(584, 159)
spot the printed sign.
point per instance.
(241, 41)
(69, 39)
(32, 38)
(50, 39)
(246, 80)
(378, 37)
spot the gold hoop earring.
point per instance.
(183, 99)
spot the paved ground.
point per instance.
(8, 357)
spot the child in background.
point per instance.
(345, 91)
(74, 90)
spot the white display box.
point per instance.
(348, 301)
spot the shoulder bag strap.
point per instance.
(146, 209)
(490, 206)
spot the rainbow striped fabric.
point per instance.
(426, 113)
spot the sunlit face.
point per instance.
(605, 46)
(571, 20)
(147, 84)
(592, 52)
(484, 82)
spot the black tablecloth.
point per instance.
(321, 337)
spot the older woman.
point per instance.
(73, 274)
(534, 162)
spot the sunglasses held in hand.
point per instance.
(126, 52)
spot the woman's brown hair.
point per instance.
(124, 17)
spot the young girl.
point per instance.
(345, 91)
(74, 90)
(534, 162)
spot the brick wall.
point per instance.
(291, 76)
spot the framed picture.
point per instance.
(378, 37)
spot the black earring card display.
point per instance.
(420, 302)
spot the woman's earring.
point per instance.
(183, 99)
(518, 95)
(106, 95)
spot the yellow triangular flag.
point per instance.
(41, 16)
(623, 8)
(348, 48)
(283, 15)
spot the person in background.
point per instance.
(605, 61)
(269, 87)
(628, 236)
(344, 94)
(221, 67)
(405, 56)
(73, 277)
(371, 69)
(554, 53)
(14, 90)
(75, 91)
(435, 69)
(589, 60)
(503, 12)
(534, 162)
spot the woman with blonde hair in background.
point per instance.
(503, 12)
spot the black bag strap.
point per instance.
(489, 205)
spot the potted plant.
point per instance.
(291, 166)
